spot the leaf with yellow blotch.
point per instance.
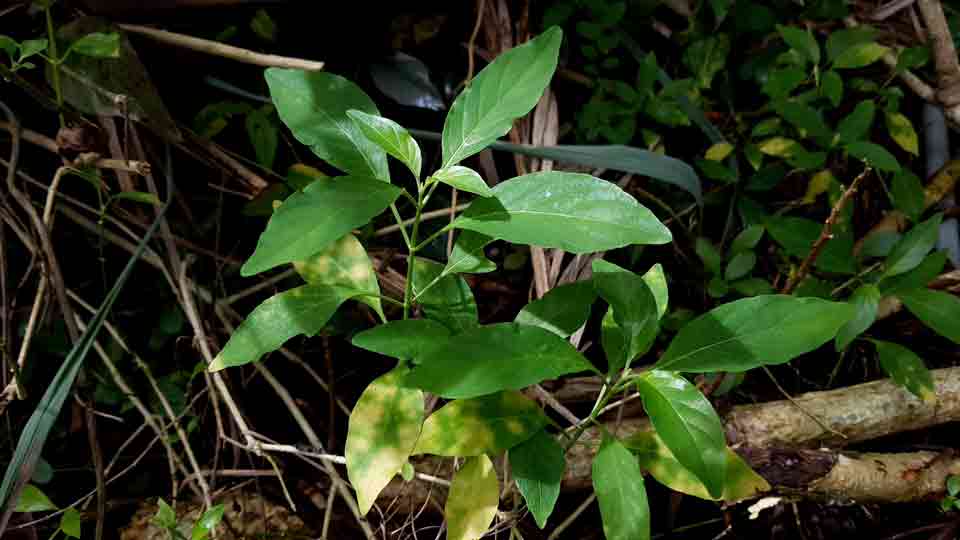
(344, 263)
(472, 502)
(382, 432)
(819, 183)
(487, 424)
(740, 482)
(901, 130)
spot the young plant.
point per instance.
(481, 368)
(166, 519)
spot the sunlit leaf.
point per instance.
(562, 310)
(937, 309)
(618, 483)
(402, 339)
(464, 179)
(33, 500)
(906, 369)
(391, 137)
(866, 300)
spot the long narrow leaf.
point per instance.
(38, 428)
(616, 157)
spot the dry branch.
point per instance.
(779, 440)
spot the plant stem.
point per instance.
(408, 292)
(54, 64)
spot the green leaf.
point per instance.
(706, 57)
(866, 300)
(263, 135)
(711, 258)
(831, 87)
(98, 45)
(70, 523)
(468, 255)
(31, 47)
(918, 278)
(444, 298)
(906, 369)
(901, 131)
(344, 263)
(138, 196)
(802, 41)
(472, 501)
(797, 236)
(912, 57)
(839, 41)
(619, 158)
(654, 457)
(747, 239)
(937, 309)
(165, 517)
(483, 425)
(752, 287)
(302, 310)
(805, 118)
(571, 211)
(618, 483)
(43, 473)
(263, 26)
(402, 339)
(856, 125)
(656, 280)
(382, 432)
(391, 137)
(562, 310)
(33, 500)
(784, 81)
(207, 523)
(635, 312)
(687, 423)
(311, 219)
(314, 105)
(747, 333)
(740, 265)
(913, 247)
(464, 179)
(953, 485)
(487, 359)
(860, 55)
(537, 466)
(9, 45)
(506, 89)
(906, 190)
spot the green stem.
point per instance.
(54, 64)
(431, 238)
(403, 228)
(408, 292)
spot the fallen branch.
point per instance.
(778, 440)
(216, 48)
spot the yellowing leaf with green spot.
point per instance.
(344, 263)
(383, 430)
(781, 147)
(719, 151)
(901, 131)
(819, 183)
(741, 482)
(472, 502)
(483, 425)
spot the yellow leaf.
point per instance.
(901, 131)
(472, 502)
(819, 183)
(719, 151)
(780, 147)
